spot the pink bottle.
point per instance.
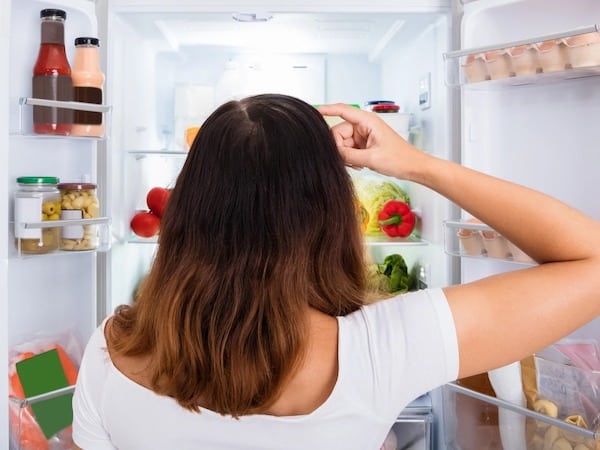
(88, 83)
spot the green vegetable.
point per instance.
(391, 276)
(373, 194)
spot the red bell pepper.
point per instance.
(396, 219)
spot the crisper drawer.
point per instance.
(413, 428)
(475, 421)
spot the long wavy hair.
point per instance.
(261, 225)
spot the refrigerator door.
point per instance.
(529, 99)
(45, 299)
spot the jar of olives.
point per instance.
(36, 200)
(79, 201)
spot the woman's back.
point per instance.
(359, 373)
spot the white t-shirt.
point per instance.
(389, 353)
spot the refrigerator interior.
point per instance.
(182, 63)
(538, 130)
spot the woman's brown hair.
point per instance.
(261, 224)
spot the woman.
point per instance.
(251, 332)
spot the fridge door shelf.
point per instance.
(24, 125)
(483, 420)
(103, 230)
(478, 240)
(25, 432)
(540, 60)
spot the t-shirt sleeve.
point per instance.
(412, 345)
(88, 428)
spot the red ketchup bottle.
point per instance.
(52, 76)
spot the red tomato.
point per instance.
(157, 200)
(145, 224)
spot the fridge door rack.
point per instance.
(539, 60)
(453, 392)
(23, 424)
(23, 127)
(478, 240)
(103, 224)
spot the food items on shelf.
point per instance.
(24, 421)
(362, 215)
(36, 200)
(88, 83)
(583, 49)
(373, 194)
(145, 224)
(498, 64)
(552, 55)
(396, 219)
(52, 75)
(390, 277)
(79, 201)
(475, 68)
(524, 60)
(156, 199)
(190, 135)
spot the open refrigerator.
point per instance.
(449, 66)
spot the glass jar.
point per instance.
(36, 200)
(79, 201)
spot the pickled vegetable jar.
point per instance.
(36, 200)
(79, 201)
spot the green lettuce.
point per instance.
(373, 194)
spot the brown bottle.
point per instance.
(88, 81)
(52, 76)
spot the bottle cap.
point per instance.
(51, 12)
(87, 41)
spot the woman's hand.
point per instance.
(365, 140)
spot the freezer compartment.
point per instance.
(25, 431)
(476, 240)
(572, 54)
(479, 421)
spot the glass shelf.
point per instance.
(477, 240)
(545, 59)
(162, 153)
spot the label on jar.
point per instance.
(28, 209)
(72, 231)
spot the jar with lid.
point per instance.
(79, 201)
(36, 200)
(52, 76)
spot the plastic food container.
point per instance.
(475, 69)
(524, 60)
(518, 254)
(79, 201)
(583, 50)
(36, 200)
(470, 241)
(552, 55)
(498, 64)
(495, 245)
